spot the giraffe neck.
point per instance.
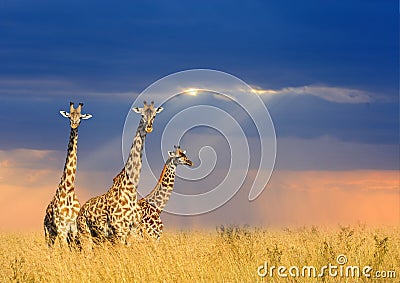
(161, 193)
(134, 163)
(68, 177)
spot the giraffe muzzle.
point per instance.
(74, 125)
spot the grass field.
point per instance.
(227, 254)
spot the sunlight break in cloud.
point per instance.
(332, 94)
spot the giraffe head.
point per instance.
(178, 157)
(75, 115)
(148, 113)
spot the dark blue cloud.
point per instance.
(103, 47)
(39, 125)
(130, 44)
(312, 117)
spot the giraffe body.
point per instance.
(61, 213)
(112, 215)
(153, 204)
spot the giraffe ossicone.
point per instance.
(62, 211)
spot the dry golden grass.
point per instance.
(229, 254)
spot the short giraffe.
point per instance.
(113, 214)
(153, 204)
(61, 213)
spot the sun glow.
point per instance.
(260, 91)
(191, 91)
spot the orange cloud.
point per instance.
(23, 202)
(333, 197)
(304, 198)
(292, 198)
(28, 181)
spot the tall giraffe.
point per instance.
(153, 204)
(61, 213)
(113, 214)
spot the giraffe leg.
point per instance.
(50, 236)
(120, 236)
(137, 217)
(154, 226)
(72, 236)
(63, 237)
(50, 230)
(136, 228)
(160, 229)
(121, 230)
(83, 238)
(154, 233)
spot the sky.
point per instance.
(328, 75)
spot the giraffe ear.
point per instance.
(86, 116)
(171, 153)
(136, 109)
(159, 109)
(64, 113)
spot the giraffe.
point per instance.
(112, 215)
(61, 213)
(153, 204)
